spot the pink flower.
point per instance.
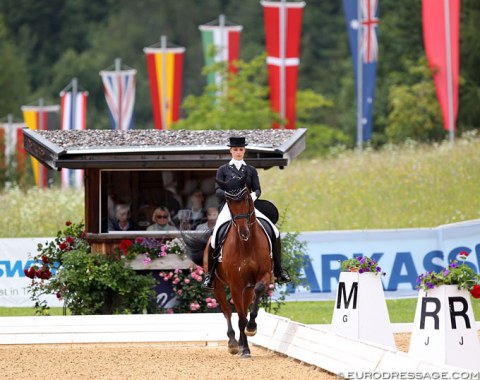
(179, 292)
(170, 311)
(271, 286)
(194, 306)
(187, 281)
(147, 260)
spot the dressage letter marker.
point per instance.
(444, 328)
(360, 309)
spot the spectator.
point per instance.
(212, 215)
(162, 220)
(122, 219)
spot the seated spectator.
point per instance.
(212, 215)
(122, 219)
(162, 220)
(197, 213)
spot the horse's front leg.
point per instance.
(227, 312)
(239, 297)
(251, 328)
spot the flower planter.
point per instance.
(169, 261)
(444, 329)
(360, 310)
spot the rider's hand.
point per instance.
(253, 194)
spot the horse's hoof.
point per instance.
(233, 350)
(250, 332)
(246, 356)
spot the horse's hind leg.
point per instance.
(251, 328)
(227, 312)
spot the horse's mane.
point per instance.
(235, 187)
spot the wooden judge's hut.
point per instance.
(145, 169)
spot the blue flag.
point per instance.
(362, 27)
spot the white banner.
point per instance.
(403, 254)
(15, 256)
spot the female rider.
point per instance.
(237, 168)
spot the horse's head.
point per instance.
(240, 204)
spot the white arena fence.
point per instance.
(315, 345)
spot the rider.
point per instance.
(237, 168)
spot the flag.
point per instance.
(362, 24)
(283, 26)
(441, 37)
(224, 42)
(74, 117)
(13, 142)
(40, 118)
(165, 66)
(119, 89)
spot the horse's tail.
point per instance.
(195, 244)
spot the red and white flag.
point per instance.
(283, 26)
(441, 36)
(74, 117)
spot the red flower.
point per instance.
(83, 235)
(62, 245)
(68, 223)
(475, 292)
(70, 240)
(45, 259)
(30, 272)
(464, 253)
(124, 245)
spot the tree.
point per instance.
(415, 113)
(13, 76)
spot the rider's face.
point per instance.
(237, 152)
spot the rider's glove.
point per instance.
(253, 194)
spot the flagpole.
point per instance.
(163, 44)
(9, 139)
(118, 68)
(359, 79)
(448, 51)
(283, 25)
(74, 103)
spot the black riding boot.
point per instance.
(210, 276)
(281, 275)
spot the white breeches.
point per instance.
(225, 216)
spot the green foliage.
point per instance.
(371, 187)
(360, 264)
(38, 212)
(14, 74)
(462, 275)
(423, 118)
(87, 282)
(242, 104)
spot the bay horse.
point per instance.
(245, 266)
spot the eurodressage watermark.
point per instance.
(409, 375)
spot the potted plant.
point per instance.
(361, 310)
(457, 273)
(361, 264)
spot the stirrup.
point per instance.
(283, 277)
(208, 282)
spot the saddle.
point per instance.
(225, 227)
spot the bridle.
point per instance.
(237, 195)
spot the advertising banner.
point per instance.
(402, 254)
